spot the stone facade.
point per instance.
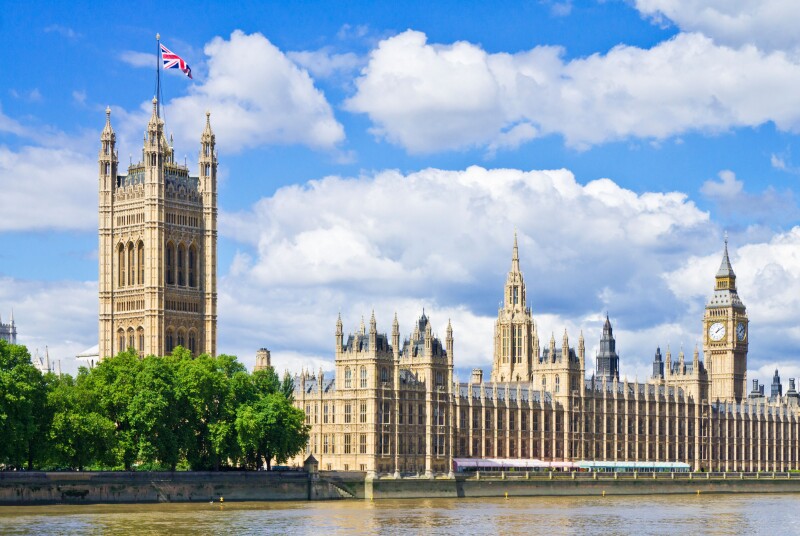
(393, 408)
(158, 247)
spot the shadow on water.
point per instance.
(687, 514)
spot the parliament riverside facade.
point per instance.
(393, 408)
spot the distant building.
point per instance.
(263, 360)
(8, 332)
(89, 357)
(43, 363)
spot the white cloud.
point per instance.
(324, 63)
(441, 240)
(728, 186)
(45, 188)
(769, 207)
(768, 24)
(256, 96)
(432, 97)
(60, 315)
(64, 31)
(138, 59)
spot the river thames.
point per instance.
(677, 514)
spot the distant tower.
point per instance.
(607, 358)
(515, 338)
(776, 390)
(8, 332)
(263, 360)
(658, 365)
(158, 247)
(726, 336)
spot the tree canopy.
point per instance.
(167, 413)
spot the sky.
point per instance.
(379, 158)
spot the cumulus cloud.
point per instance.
(441, 240)
(767, 24)
(432, 97)
(257, 96)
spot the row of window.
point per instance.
(182, 306)
(135, 339)
(181, 265)
(130, 264)
(128, 305)
(385, 376)
(183, 219)
(130, 219)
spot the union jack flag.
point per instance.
(173, 61)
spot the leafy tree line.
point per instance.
(158, 413)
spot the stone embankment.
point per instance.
(20, 488)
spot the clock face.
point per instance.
(716, 331)
(741, 331)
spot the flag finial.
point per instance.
(158, 37)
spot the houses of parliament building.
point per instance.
(393, 407)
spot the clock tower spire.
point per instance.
(725, 336)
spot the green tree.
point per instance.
(79, 435)
(23, 416)
(113, 382)
(156, 415)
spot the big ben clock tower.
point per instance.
(725, 337)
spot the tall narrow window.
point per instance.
(140, 261)
(121, 340)
(192, 265)
(121, 266)
(363, 377)
(131, 342)
(170, 264)
(181, 338)
(141, 340)
(131, 265)
(348, 378)
(181, 265)
(170, 341)
(192, 342)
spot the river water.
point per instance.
(681, 514)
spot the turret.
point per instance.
(449, 342)
(658, 365)
(208, 189)
(338, 338)
(373, 334)
(395, 337)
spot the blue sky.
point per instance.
(374, 157)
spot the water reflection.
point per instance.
(682, 514)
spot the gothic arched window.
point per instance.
(384, 374)
(348, 378)
(181, 338)
(121, 265)
(192, 342)
(558, 382)
(131, 265)
(170, 264)
(181, 265)
(120, 340)
(140, 331)
(170, 341)
(192, 266)
(131, 340)
(363, 377)
(140, 261)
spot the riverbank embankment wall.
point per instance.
(29, 488)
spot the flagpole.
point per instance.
(158, 75)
